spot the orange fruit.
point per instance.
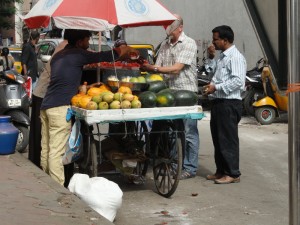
(125, 90)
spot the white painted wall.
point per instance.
(200, 17)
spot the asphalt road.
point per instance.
(260, 199)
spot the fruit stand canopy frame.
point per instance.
(98, 15)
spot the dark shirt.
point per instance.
(66, 72)
(29, 58)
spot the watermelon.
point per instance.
(147, 99)
(185, 98)
(156, 86)
(165, 99)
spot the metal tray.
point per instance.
(133, 86)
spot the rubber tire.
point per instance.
(249, 100)
(23, 138)
(93, 166)
(265, 109)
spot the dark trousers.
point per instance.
(35, 137)
(225, 116)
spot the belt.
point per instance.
(223, 100)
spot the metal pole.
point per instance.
(293, 16)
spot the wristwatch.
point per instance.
(155, 69)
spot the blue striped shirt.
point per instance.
(229, 74)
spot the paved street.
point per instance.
(260, 199)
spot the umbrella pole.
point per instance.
(99, 47)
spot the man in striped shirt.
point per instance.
(225, 92)
(177, 62)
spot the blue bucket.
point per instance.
(8, 136)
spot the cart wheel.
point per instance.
(167, 159)
(141, 136)
(93, 165)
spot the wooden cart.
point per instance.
(161, 146)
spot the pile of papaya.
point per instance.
(101, 97)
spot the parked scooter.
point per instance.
(204, 77)
(15, 103)
(253, 87)
(273, 102)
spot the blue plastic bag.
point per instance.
(73, 145)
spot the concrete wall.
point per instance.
(268, 11)
(200, 17)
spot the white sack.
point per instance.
(102, 195)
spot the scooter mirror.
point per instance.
(45, 58)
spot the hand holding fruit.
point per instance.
(126, 52)
(209, 89)
(147, 68)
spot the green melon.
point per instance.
(147, 99)
(185, 98)
(156, 86)
(165, 99)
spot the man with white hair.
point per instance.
(177, 62)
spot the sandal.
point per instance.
(185, 175)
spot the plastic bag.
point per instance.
(101, 194)
(73, 145)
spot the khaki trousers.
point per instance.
(55, 133)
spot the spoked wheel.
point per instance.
(167, 158)
(139, 133)
(92, 169)
(88, 163)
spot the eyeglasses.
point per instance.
(217, 39)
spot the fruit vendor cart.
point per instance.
(160, 145)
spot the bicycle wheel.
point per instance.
(167, 158)
(88, 163)
(139, 133)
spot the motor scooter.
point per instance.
(204, 77)
(253, 87)
(15, 103)
(273, 102)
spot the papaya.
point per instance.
(94, 91)
(153, 77)
(75, 99)
(147, 99)
(84, 100)
(185, 98)
(156, 86)
(165, 99)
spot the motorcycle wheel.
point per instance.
(265, 115)
(249, 100)
(23, 138)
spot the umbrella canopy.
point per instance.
(98, 15)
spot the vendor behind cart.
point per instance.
(66, 72)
